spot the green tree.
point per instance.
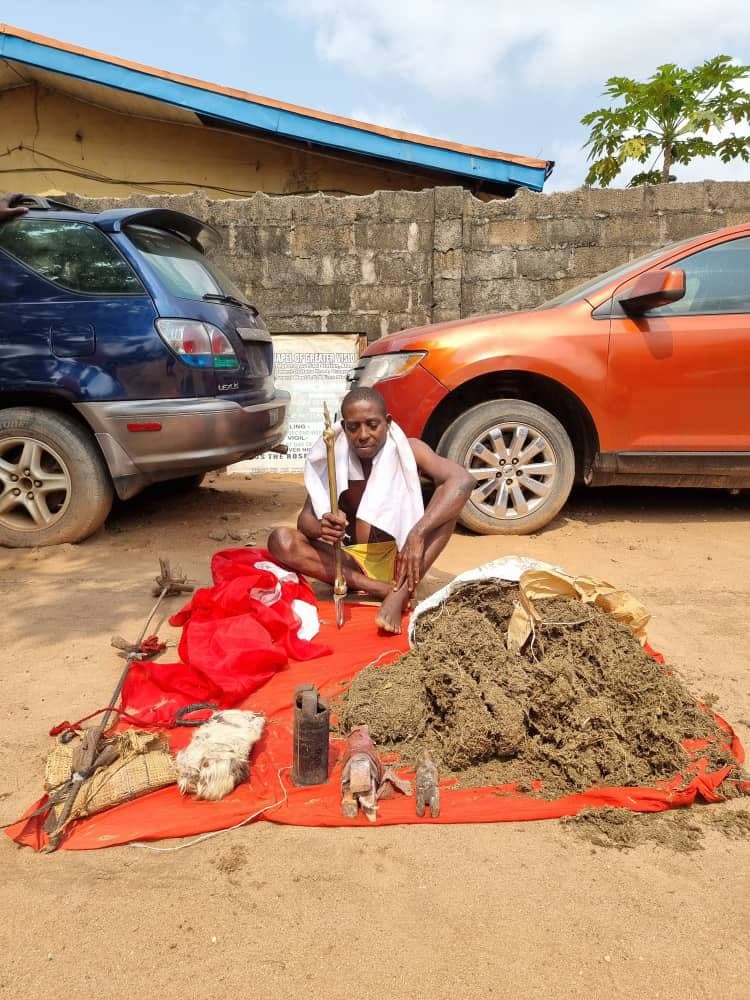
(668, 118)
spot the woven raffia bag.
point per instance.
(142, 764)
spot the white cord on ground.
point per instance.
(216, 833)
(249, 819)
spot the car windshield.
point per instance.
(588, 289)
(182, 267)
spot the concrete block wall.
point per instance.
(520, 252)
(374, 264)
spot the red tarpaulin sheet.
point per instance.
(167, 814)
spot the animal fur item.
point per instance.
(218, 756)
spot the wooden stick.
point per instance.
(86, 762)
(339, 586)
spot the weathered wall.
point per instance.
(72, 145)
(396, 259)
(518, 253)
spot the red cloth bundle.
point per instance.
(235, 636)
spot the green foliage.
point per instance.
(648, 177)
(668, 118)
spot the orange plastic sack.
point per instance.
(166, 813)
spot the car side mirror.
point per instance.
(651, 290)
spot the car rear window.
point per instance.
(74, 255)
(182, 267)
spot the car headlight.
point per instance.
(380, 367)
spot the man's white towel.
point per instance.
(392, 500)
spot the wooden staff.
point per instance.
(90, 756)
(339, 586)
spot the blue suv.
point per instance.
(127, 357)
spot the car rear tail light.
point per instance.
(200, 345)
(222, 350)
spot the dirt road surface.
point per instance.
(512, 910)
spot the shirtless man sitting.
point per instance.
(385, 560)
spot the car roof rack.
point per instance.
(39, 203)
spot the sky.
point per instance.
(508, 76)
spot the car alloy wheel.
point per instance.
(35, 482)
(514, 467)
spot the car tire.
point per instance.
(54, 485)
(523, 461)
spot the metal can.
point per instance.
(311, 728)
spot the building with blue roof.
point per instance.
(78, 121)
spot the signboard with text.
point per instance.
(312, 368)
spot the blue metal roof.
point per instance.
(274, 118)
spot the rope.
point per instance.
(65, 727)
(217, 833)
(178, 720)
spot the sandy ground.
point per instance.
(511, 910)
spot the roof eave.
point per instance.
(277, 121)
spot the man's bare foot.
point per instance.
(392, 610)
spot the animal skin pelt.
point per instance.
(218, 756)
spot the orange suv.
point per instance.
(641, 377)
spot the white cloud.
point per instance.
(388, 117)
(487, 49)
(570, 165)
(227, 21)
(432, 44)
(713, 170)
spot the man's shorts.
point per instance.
(375, 559)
